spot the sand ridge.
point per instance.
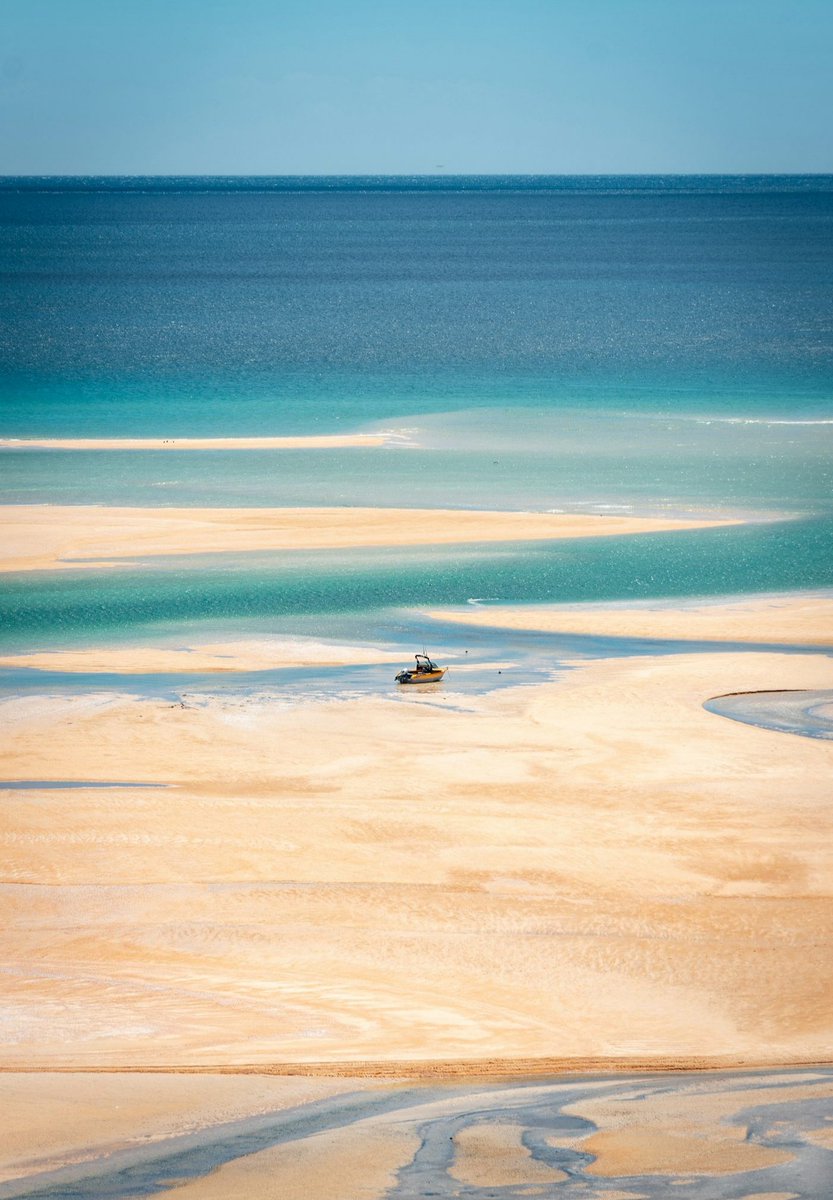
(49, 537)
(250, 654)
(788, 618)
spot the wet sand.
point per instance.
(690, 1131)
(714, 1137)
(777, 620)
(50, 537)
(52, 1121)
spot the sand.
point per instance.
(652, 1152)
(251, 654)
(40, 537)
(589, 874)
(360, 1161)
(493, 1155)
(687, 1132)
(821, 1137)
(321, 442)
(596, 867)
(777, 620)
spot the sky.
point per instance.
(277, 87)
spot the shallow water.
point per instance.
(319, 591)
(809, 714)
(513, 458)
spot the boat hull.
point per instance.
(408, 677)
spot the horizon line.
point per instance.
(422, 175)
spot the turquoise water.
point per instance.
(318, 593)
(649, 346)
(515, 458)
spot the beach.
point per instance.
(277, 926)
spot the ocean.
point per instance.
(646, 345)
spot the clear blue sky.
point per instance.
(365, 86)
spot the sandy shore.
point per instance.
(39, 537)
(261, 654)
(592, 868)
(777, 620)
(321, 442)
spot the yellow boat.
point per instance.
(424, 672)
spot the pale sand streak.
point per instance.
(50, 1121)
(682, 1132)
(323, 442)
(803, 619)
(360, 1161)
(596, 867)
(250, 655)
(38, 537)
(493, 1156)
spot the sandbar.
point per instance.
(783, 619)
(591, 867)
(334, 441)
(39, 537)
(262, 654)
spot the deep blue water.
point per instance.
(659, 344)
(581, 184)
(198, 307)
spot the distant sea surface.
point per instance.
(600, 344)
